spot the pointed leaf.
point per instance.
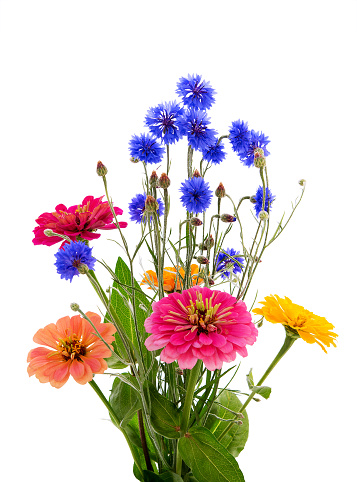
(165, 476)
(124, 399)
(207, 458)
(165, 417)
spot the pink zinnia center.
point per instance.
(202, 315)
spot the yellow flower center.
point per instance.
(202, 315)
(71, 348)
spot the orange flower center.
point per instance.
(72, 348)
(300, 321)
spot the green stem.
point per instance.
(288, 342)
(187, 408)
(117, 424)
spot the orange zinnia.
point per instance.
(170, 276)
(76, 350)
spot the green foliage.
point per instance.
(121, 302)
(166, 476)
(209, 460)
(124, 399)
(132, 430)
(165, 417)
(260, 390)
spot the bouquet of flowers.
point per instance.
(168, 335)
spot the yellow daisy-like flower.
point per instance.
(310, 327)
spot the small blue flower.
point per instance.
(70, 256)
(239, 136)
(197, 195)
(214, 153)
(225, 265)
(195, 92)
(257, 139)
(194, 124)
(161, 121)
(137, 208)
(146, 148)
(258, 197)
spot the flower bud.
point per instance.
(151, 205)
(101, 169)
(302, 182)
(82, 268)
(208, 242)
(74, 306)
(196, 173)
(258, 152)
(134, 160)
(263, 215)
(228, 218)
(259, 162)
(220, 191)
(179, 371)
(195, 222)
(210, 281)
(153, 179)
(49, 233)
(252, 199)
(164, 181)
(202, 260)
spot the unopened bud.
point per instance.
(101, 169)
(151, 205)
(179, 371)
(260, 323)
(210, 281)
(153, 179)
(263, 215)
(82, 268)
(202, 260)
(164, 181)
(220, 191)
(228, 218)
(302, 182)
(49, 233)
(195, 222)
(196, 173)
(260, 162)
(258, 152)
(74, 306)
(134, 160)
(252, 199)
(208, 242)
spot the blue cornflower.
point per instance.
(258, 200)
(146, 148)
(257, 139)
(137, 208)
(214, 153)
(71, 256)
(197, 195)
(195, 92)
(224, 262)
(161, 121)
(194, 124)
(239, 136)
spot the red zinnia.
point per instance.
(200, 323)
(76, 350)
(80, 220)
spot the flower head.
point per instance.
(161, 121)
(257, 140)
(194, 124)
(71, 256)
(200, 323)
(171, 276)
(214, 153)
(75, 350)
(226, 265)
(80, 220)
(137, 208)
(297, 320)
(197, 195)
(239, 136)
(195, 92)
(258, 200)
(146, 148)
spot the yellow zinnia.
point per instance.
(297, 320)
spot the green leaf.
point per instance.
(207, 458)
(132, 431)
(263, 391)
(235, 440)
(121, 307)
(113, 362)
(250, 379)
(124, 399)
(190, 478)
(165, 417)
(165, 476)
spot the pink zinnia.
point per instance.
(200, 323)
(80, 220)
(76, 350)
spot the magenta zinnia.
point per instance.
(200, 323)
(81, 220)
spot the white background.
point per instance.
(77, 78)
